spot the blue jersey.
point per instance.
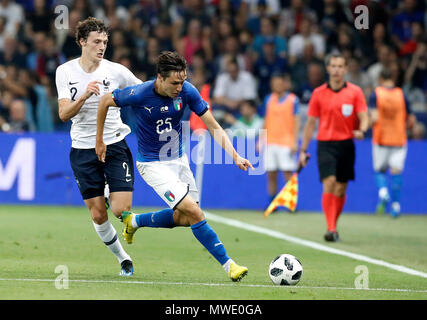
(158, 118)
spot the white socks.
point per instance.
(226, 265)
(383, 194)
(108, 235)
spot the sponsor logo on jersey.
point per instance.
(164, 109)
(170, 196)
(177, 103)
(148, 109)
(72, 83)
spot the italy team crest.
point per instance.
(170, 196)
(177, 103)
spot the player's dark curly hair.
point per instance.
(87, 26)
(169, 61)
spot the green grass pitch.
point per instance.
(171, 264)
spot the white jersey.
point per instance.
(71, 83)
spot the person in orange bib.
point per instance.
(281, 124)
(391, 114)
(343, 115)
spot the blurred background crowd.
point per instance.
(233, 47)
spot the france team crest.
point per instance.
(177, 103)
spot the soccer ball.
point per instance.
(285, 270)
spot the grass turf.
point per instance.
(171, 264)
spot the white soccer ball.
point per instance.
(285, 270)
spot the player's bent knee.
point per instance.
(117, 211)
(99, 217)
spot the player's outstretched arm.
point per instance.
(104, 103)
(222, 139)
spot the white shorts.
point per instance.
(279, 158)
(172, 179)
(388, 157)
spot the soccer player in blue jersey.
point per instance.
(159, 106)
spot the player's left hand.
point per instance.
(243, 163)
(101, 151)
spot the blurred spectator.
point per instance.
(418, 131)
(356, 75)
(85, 7)
(183, 12)
(272, 7)
(148, 64)
(297, 41)
(10, 55)
(192, 42)
(231, 88)
(315, 78)
(230, 50)
(14, 15)
(6, 99)
(40, 19)
(17, 121)
(331, 16)
(416, 78)
(268, 33)
(370, 45)
(201, 65)
(248, 123)
(253, 22)
(384, 60)
(67, 40)
(299, 72)
(162, 31)
(39, 113)
(291, 18)
(266, 65)
(119, 45)
(417, 36)
(222, 30)
(3, 34)
(401, 28)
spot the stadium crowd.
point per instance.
(233, 48)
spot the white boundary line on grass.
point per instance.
(312, 244)
(215, 285)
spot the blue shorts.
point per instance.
(91, 174)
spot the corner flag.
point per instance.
(288, 196)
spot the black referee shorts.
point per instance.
(336, 158)
(91, 174)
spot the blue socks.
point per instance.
(201, 230)
(159, 219)
(381, 179)
(396, 186)
(209, 239)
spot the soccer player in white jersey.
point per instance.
(80, 84)
(159, 106)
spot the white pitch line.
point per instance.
(312, 244)
(215, 285)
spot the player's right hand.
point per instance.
(101, 150)
(303, 158)
(92, 88)
(243, 164)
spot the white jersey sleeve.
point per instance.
(127, 77)
(61, 84)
